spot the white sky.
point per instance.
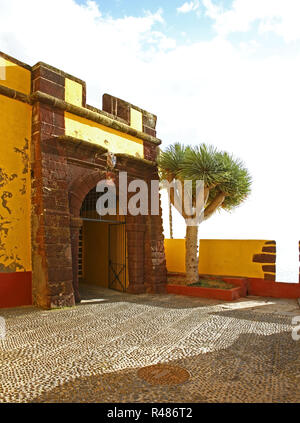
(237, 88)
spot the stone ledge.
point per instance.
(16, 95)
(135, 159)
(103, 150)
(16, 61)
(39, 96)
(79, 141)
(58, 71)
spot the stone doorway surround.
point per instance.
(63, 170)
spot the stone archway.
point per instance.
(72, 169)
(77, 193)
(135, 231)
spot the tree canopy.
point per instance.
(227, 182)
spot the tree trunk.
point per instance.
(170, 220)
(191, 254)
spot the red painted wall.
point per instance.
(265, 288)
(241, 282)
(219, 294)
(15, 289)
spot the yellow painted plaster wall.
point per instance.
(218, 257)
(15, 77)
(15, 135)
(114, 141)
(96, 253)
(230, 257)
(73, 92)
(136, 119)
(175, 255)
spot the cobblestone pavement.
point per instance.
(241, 351)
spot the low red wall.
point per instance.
(254, 286)
(195, 291)
(241, 282)
(265, 288)
(15, 289)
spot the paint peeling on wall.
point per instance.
(24, 152)
(15, 133)
(9, 258)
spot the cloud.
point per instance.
(211, 91)
(65, 32)
(278, 16)
(189, 6)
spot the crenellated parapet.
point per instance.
(54, 149)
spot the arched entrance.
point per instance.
(102, 253)
(74, 169)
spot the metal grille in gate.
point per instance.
(80, 255)
(117, 271)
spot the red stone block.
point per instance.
(149, 131)
(270, 276)
(269, 249)
(59, 118)
(46, 73)
(48, 87)
(264, 258)
(45, 114)
(269, 268)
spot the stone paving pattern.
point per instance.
(240, 351)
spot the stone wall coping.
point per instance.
(16, 61)
(16, 95)
(103, 112)
(103, 150)
(98, 117)
(135, 159)
(89, 112)
(79, 141)
(59, 72)
(91, 115)
(139, 109)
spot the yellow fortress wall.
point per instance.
(14, 76)
(73, 92)
(229, 257)
(175, 255)
(136, 119)
(15, 136)
(114, 141)
(43, 116)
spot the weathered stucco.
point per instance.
(109, 138)
(15, 134)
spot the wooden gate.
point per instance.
(117, 259)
